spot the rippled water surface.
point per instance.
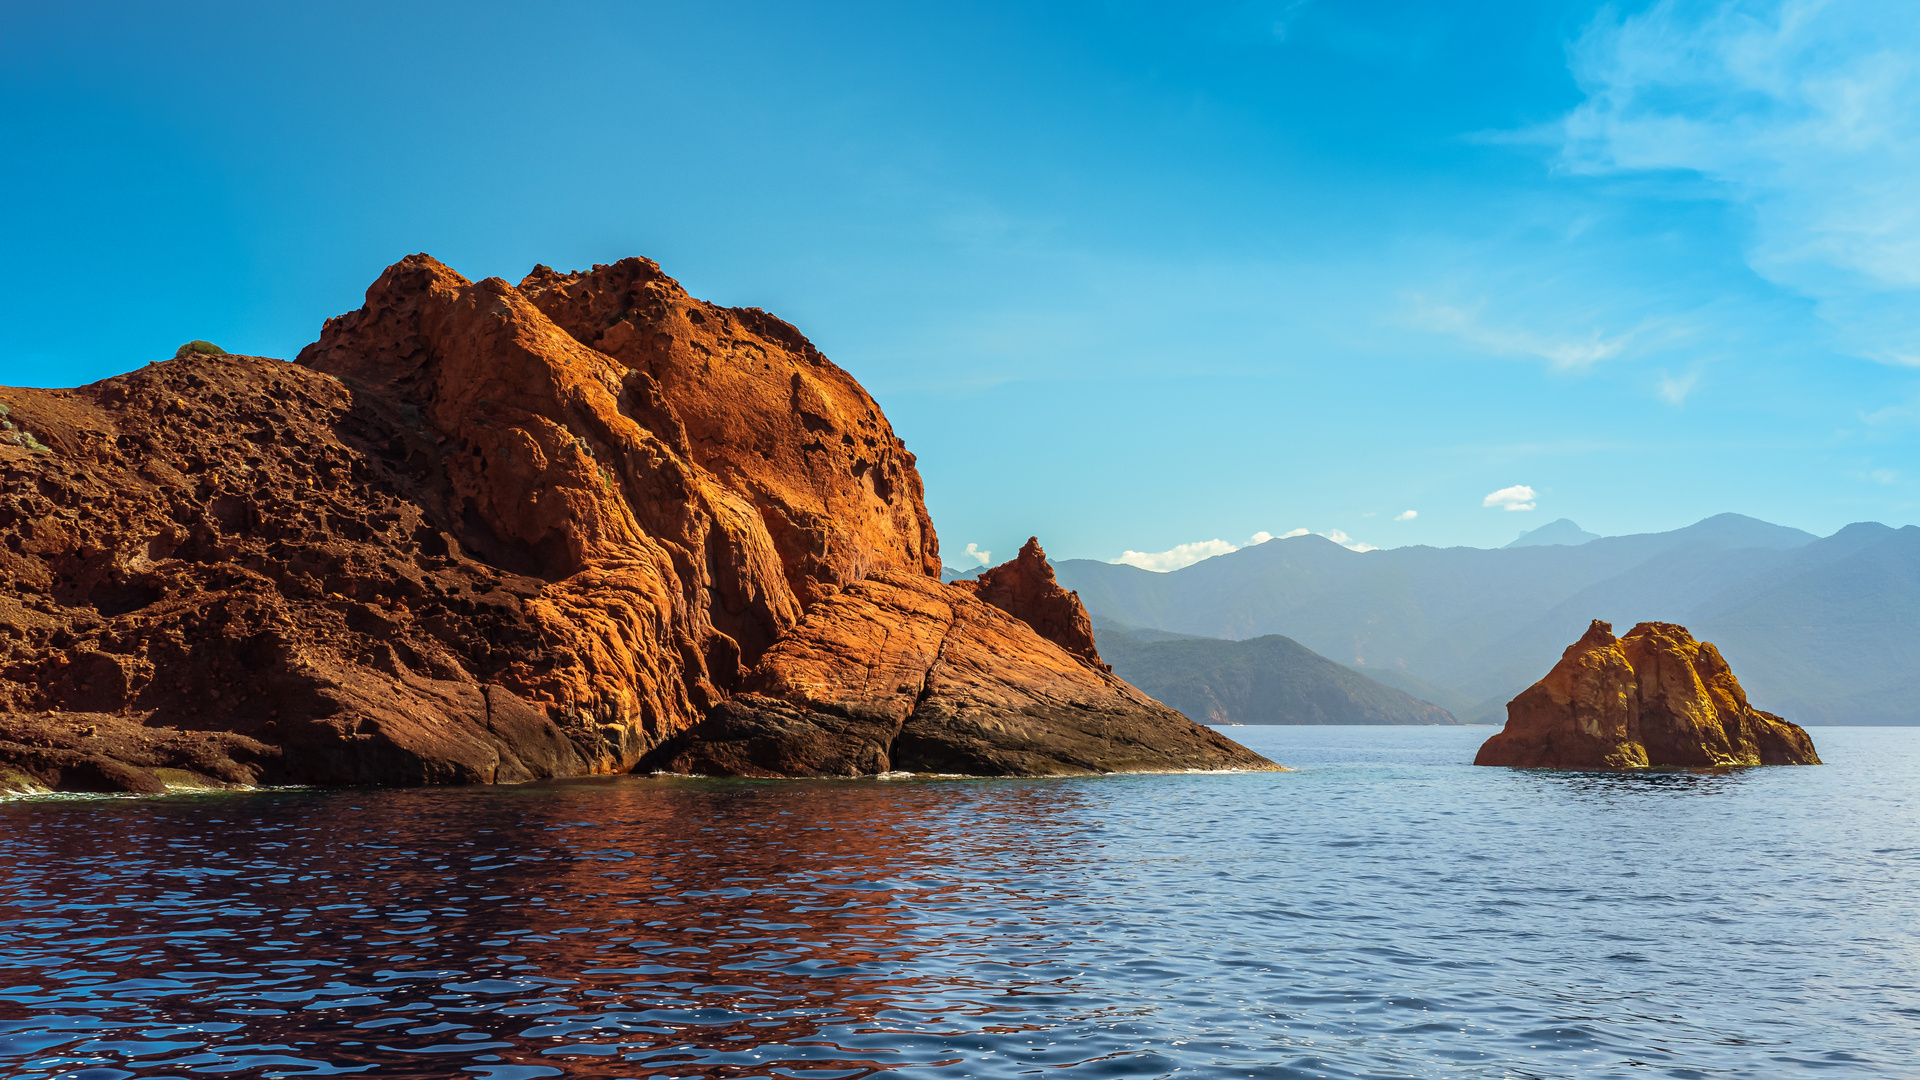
(1384, 911)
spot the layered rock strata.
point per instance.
(488, 533)
(1652, 698)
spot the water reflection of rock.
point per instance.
(654, 926)
(791, 933)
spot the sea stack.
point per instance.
(482, 532)
(1653, 698)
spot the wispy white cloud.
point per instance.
(1517, 497)
(1406, 515)
(1903, 413)
(1674, 389)
(1252, 22)
(985, 557)
(1565, 352)
(1885, 476)
(1804, 112)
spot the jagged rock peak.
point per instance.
(1024, 587)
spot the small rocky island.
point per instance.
(1653, 698)
(482, 533)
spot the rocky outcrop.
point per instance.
(760, 410)
(1653, 698)
(900, 672)
(487, 533)
(1026, 590)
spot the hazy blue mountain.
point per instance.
(949, 574)
(1833, 637)
(1460, 705)
(1820, 630)
(1563, 531)
(1264, 680)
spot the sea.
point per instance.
(1384, 910)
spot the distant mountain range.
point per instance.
(1263, 680)
(1820, 630)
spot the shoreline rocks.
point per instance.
(902, 673)
(1654, 697)
(486, 533)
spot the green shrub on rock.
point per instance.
(200, 348)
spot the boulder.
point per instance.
(1653, 698)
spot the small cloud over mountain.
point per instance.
(1181, 555)
(1346, 541)
(1406, 515)
(1517, 497)
(985, 557)
(1176, 556)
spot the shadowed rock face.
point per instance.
(1655, 697)
(483, 533)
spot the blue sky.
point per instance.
(1124, 277)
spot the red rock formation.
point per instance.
(1026, 590)
(1655, 697)
(900, 672)
(765, 414)
(466, 540)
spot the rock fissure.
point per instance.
(939, 653)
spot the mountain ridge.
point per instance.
(1259, 681)
(1563, 531)
(1482, 624)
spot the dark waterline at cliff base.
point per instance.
(1386, 910)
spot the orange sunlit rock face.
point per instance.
(1655, 697)
(756, 406)
(488, 533)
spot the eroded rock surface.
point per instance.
(900, 672)
(481, 533)
(1655, 697)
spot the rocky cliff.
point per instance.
(1655, 697)
(482, 533)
